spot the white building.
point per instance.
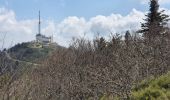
(42, 38)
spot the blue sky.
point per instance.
(59, 9)
(70, 18)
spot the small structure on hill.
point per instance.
(42, 39)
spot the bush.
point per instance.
(153, 89)
(4, 79)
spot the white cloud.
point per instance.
(116, 22)
(71, 27)
(15, 30)
(164, 1)
(25, 30)
(78, 27)
(160, 1)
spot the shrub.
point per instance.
(153, 89)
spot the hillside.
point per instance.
(21, 59)
(31, 52)
(153, 89)
(149, 89)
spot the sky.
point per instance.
(65, 19)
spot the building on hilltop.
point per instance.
(40, 38)
(43, 39)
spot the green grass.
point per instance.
(26, 52)
(153, 89)
(149, 89)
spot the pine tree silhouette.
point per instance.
(155, 20)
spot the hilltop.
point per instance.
(31, 52)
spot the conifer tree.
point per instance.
(127, 38)
(101, 44)
(155, 20)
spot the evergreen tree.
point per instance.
(155, 20)
(101, 44)
(127, 38)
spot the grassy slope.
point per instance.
(26, 52)
(149, 89)
(153, 89)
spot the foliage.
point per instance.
(154, 20)
(153, 89)
(4, 79)
(26, 52)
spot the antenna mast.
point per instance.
(39, 24)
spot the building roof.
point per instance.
(43, 36)
(38, 34)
